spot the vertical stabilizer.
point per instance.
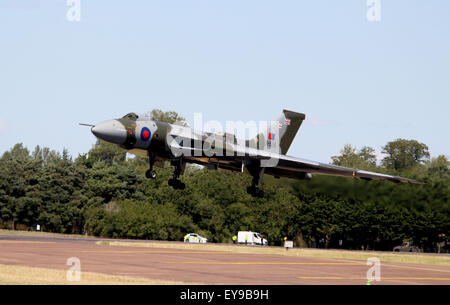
(288, 124)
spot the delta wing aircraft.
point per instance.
(264, 154)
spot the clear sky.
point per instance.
(358, 82)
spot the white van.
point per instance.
(251, 238)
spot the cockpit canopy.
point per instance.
(131, 116)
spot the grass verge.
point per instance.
(23, 275)
(39, 233)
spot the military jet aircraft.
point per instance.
(265, 154)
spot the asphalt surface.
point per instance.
(203, 266)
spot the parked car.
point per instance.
(251, 238)
(194, 238)
(407, 247)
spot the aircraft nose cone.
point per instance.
(110, 131)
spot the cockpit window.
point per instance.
(132, 116)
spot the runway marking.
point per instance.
(25, 242)
(365, 278)
(394, 265)
(266, 263)
(151, 252)
(417, 268)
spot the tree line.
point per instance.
(105, 193)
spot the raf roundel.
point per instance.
(145, 134)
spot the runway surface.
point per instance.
(205, 267)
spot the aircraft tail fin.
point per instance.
(288, 124)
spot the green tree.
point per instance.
(106, 152)
(171, 117)
(349, 156)
(439, 167)
(106, 183)
(19, 175)
(60, 186)
(404, 154)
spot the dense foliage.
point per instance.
(104, 193)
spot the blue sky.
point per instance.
(358, 82)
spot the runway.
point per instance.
(204, 266)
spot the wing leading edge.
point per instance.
(286, 165)
(291, 167)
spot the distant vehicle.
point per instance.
(195, 238)
(407, 247)
(251, 238)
